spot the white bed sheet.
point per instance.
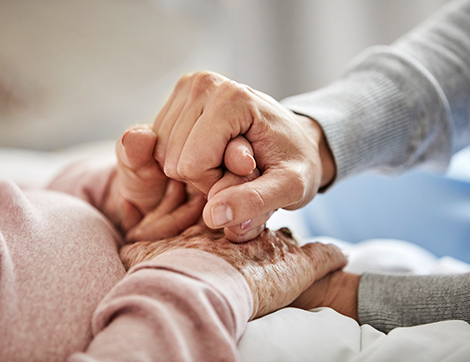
(324, 335)
(292, 334)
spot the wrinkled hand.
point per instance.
(203, 114)
(276, 269)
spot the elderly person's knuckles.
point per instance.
(324, 257)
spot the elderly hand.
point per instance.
(276, 269)
(203, 114)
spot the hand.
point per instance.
(144, 203)
(203, 114)
(276, 269)
(338, 290)
(180, 208)
(138, 184)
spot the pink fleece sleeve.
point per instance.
(185, 305)
(87, 180)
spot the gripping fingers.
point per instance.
(236, 204)
(239, 157)
(156, 227)
(175, 123)
(141, 181)
(136, 146)
(247, 230)
(174, 197)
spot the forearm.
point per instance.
(185, 305)
(400, 106)
(386, 301)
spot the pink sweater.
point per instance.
(64, 292)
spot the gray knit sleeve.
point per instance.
(387, 301)
(402, 105)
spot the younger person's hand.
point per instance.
(338, 290)
(205, 112)
(144, 204)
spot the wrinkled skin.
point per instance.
(276, 269)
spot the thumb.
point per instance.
(239, 203)
(238, 157)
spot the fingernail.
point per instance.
(345, 253)
(243, 225)
(221, 215)
(124, 136)
(252, 159)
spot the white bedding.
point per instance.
(324, 335)
(293, 334)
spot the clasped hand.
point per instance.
(199, 166)
(203, 115)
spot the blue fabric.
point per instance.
(430, 210)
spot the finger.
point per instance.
(177, 97)
(169, 225)
(175, 196)
(248, 229)
(138, 173)
(130, 215)
(203, 85)
(165, 126)
(239, 157)
(324, 258)
(135, 148)
(230, 179)
(272, 190)
(176, 139)
(236, 237)
(226, 116)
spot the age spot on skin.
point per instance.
(286, 232)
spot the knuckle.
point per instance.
(170, 171)
(183, 80)
(231, 90)
(297, 187)
(187, 171)
(202, 82)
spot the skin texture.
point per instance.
(338, 290)
(139, 185)
(290, 151)
(147, 205)
(276, 269)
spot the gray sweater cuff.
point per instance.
(387, 301)
(385, 114)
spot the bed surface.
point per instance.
(292, 334)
